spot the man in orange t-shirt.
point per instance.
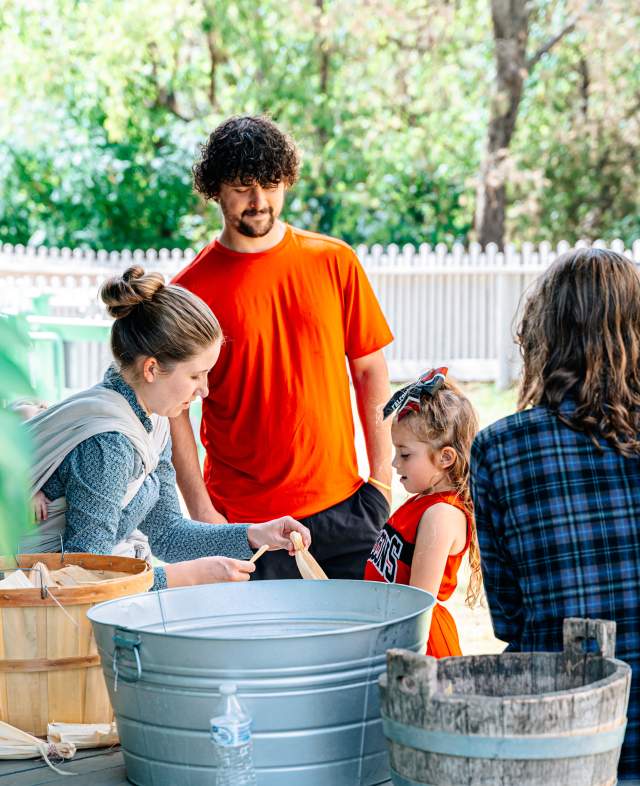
(277, 423)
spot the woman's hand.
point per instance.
(40, 506)
(275, 534)
(207, 570)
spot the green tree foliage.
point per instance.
(104, 104)
(577, 153)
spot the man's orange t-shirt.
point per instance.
(277, 424)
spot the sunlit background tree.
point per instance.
(419, 120)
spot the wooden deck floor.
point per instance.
(97, 767)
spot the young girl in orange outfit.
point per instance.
(425, 540)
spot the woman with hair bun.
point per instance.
(103, 456)
(556, 487)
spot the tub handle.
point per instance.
(122, 641)
(576, 631)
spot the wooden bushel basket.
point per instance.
(518, 719)
(49, 667)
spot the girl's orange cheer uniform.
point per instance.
(391, 559)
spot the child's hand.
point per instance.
(40, 506)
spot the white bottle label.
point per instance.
(228, 734)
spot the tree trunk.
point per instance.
(511, 30)
(214, 47)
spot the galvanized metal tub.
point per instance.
(305, 655)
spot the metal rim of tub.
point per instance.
(93, 614)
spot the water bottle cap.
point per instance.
(228, 688)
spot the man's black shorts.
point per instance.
(342, 538)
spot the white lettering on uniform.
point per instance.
(385, 554)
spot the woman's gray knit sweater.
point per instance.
(94, 478)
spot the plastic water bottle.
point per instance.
(231, 738)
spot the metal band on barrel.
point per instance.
(400, 780)
(475, 746)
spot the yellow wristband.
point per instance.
(379, 483)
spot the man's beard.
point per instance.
(251, 230)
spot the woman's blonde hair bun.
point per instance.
(164, 321)
(122, 294)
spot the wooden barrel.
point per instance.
(518, 719)
(49, 665)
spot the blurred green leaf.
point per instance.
(15, 380)
(15, 450)
(15, 513)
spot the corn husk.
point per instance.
(69, 576)
(18, 744)
(41, 575)
(73, 576)
(307, 565)
(16, 580)
(83, 735)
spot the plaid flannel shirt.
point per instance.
(559, 531)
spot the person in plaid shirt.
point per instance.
(556, 487)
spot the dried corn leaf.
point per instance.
(307, 565)
(74, 576)
(83, 735)
(41, 575)
(18, 744)
(16, 580)
(107, 575)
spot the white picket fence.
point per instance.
(455, 306)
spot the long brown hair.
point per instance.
(448, 418)
(580, 337)
(154, 319)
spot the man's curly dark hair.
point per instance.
(251, 149)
